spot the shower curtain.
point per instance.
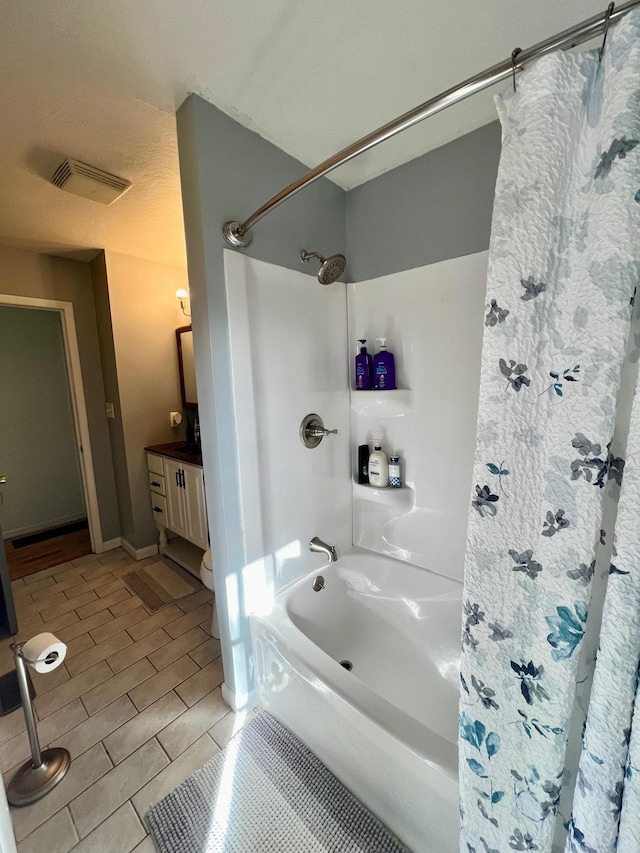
(549, 748)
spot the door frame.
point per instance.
(78, 405)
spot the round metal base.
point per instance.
(231, 232)
(32, 783)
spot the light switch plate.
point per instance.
(109, 410)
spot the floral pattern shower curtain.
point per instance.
(546, 581)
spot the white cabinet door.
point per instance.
(196, 509)
(176, 508)
(186, 511)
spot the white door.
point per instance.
(196, 510)
(176, 509)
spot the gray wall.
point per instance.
(137, 313)
(29, 274)
(112, 394)
(37, 434)
(227, 172)
(433, 208)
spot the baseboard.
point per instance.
(109, 545)
(236, 701)
(42, 525)
(139, 553)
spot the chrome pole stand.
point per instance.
(46, 768)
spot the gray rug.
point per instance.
(266, 792)
(161, 583)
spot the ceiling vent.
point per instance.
(89, 182)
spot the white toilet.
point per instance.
(206, 576)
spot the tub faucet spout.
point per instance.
(320, 547)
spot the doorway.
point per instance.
(48, 502)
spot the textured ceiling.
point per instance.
(100, 82)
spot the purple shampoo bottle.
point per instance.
(363, 368)
(384, 368)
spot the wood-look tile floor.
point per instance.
(137, 703)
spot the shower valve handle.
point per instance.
(312, 430)
(320, 432)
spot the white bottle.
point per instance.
(378, 466)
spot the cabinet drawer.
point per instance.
(156, 483)
(154, 463)
(159, 507)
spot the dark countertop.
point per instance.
(175, 450)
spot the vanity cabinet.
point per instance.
(177, 500)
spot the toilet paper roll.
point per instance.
(44, 652)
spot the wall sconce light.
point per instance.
(182, 296)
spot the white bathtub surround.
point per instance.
(387, 729)
(290, 357)
(563, 274)
(288, 344)
(432, 317)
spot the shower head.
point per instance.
(330, 268)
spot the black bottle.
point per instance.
(363, 464)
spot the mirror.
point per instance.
(187, 367)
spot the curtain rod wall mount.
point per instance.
(238, 234)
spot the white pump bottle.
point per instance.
(378, 466)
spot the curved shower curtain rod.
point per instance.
(238, 234)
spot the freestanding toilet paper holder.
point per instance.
(46, 767)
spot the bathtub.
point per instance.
(387, 727)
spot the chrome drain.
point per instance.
(347, 665)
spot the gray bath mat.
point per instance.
(161, 583)
(266, 793)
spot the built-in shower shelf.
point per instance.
(381, 404)
(401, 498)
